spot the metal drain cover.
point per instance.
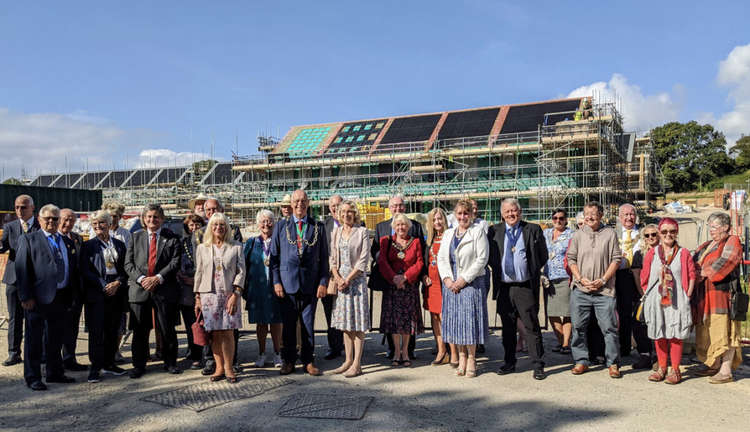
(326, 406)
(208, 395)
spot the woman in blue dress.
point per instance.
(262, 305)
(558, 286)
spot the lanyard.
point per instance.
(513, 237)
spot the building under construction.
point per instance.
(550, 154)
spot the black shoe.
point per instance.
(236, 369)
(209, 369)
(565, 350)
(12, 360)
(330, 355)
(136, 373)
(195, 365)
(114, 370)
(644, 362)
(480, 349)
(62, 379)
(94, 376)
(174, 370)
(74, 366)
(539, 374)
(506, 369)
(37, 386)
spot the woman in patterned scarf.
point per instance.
(716, 335)
(667, 280)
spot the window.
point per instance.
(356, 128)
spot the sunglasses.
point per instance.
(649, 235)
(51, 218)
(665, 232)
(554, 218)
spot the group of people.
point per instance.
(593, 277)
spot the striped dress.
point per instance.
(465, 319)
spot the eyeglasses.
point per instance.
(665, 232)
(21, 207)
(649, 235)
(554, 218)
(51, 218)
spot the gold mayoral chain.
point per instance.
(293, 242)
(401, 254)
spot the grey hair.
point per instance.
(262, 214)
(511, 201)
(722, 218)
(102, 215)
(153, 207)
(67, 210)
(26, 198)
(49, 208)
(400, 217)
(397, 196)
(624, 206)
(115, 207)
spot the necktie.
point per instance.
(510, 248)
(628, 246)
(152, 255)
(299, 236)
(25, 226)
(54, 242)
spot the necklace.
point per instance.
(302, 239)
(187, 251)
(433, 255)
(401, 254)
(266, 245)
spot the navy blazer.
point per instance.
(94, 270)
(9, 243)
(167, 264)
(303, 274)
(536, 253)
(36, 276)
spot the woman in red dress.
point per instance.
(433, 295)
(401, 265)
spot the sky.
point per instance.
(142, 83)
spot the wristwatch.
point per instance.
(238, 291)
(604, 280)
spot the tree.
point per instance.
(12, 181)
(741, 153)
(690, 154)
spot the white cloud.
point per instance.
(166, 157)
(640, 112)
(734, 73)
(45, 142)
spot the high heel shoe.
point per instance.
(441, 360)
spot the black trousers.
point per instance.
(103, 319)
(335, 336)
(15, 320)
(195, 352)
(140, 322)
(53, 316)
(520, 300)
(298, 307)
(70, 337)
(626, 293)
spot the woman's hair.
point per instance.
(651, 226)
(353, 205)
(465, 203)
(114, 207)
(192, 217)
(262, 214)
(429, 224)
(559, 210)
(208, 236)
(400, 217)
(102, 215)
(720, 217)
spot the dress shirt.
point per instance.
(636, 245)
(520, 265)
(158, 234)
(64, 251)
(109, 254)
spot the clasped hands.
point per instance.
(590, 285)
(111, 288)
(278, 289)
(150, 283)
(455, 286)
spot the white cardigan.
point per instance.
(472, 254)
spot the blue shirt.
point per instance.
(63, 250)
(555, 268)
(520, 265)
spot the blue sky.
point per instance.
(97, 83)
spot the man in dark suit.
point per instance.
(47, 281)
(335, 336)
(26, 222)
(299, 264)
(383, 229)
(73, 316)
(518, 252)
(152, 261)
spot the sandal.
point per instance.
(215, 378)
(658, 375)
(353, 374)
(706, 372)
(674, 378)
(232, 379)
(405, 363)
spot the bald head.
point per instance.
(333, 205)
(67, 221)
(300, 203)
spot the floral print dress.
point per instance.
(214, 304)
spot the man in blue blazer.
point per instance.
(26, 222)
(299, 264)
(47, 281)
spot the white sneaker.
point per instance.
(261, 361)
(277, 362)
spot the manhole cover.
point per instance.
(325, 406)
(208, 395)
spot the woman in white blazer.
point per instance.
(219, 278)
(462, 262)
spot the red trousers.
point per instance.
(671, 348)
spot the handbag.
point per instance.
(200, 335)
(376, 282)
(738, 301)
(638, 312)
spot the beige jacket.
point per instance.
(232, 261)
(359, 249)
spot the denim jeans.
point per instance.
(604, 308)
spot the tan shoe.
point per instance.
(287, 368)
(579, 368)
(721, 379)
(614, 371)
(312, 370)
